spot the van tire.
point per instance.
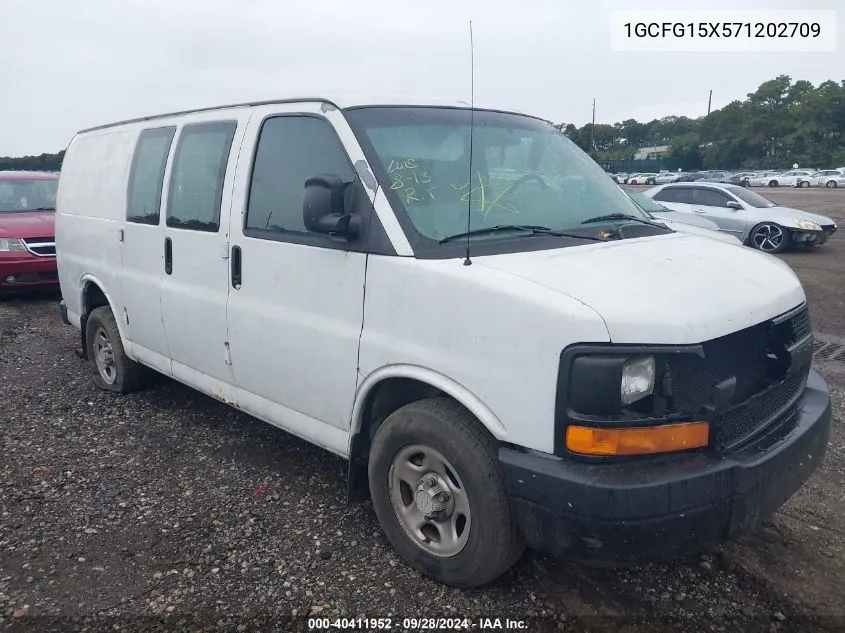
(440, 425)
(101, 332)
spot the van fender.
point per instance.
(434, 378)
(83, 317)
(357, 487)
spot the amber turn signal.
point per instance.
(637, 441)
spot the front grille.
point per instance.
(738, 424)
(751, 366)
(800, 326)
(41, 246)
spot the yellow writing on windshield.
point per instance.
(486, 205)
(413, 184)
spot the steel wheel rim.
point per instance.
(104, 356)
(429, 500)
(768, 237)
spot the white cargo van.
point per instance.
(508, 351)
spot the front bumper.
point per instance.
(816, 238)
(624, 513)
(26, 271)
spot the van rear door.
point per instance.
(141, 250)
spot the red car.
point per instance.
(27, 233)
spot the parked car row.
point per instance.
(830, 178)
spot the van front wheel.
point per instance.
(437, 490)
(113, 369)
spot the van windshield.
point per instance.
(18, 195)
(524, 172)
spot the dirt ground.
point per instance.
(165, 510)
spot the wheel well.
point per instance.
(386, 397)
(92, 297)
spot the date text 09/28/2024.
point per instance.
(416, 624)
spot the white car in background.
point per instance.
(762, 178)
(666, 177)
(830, 178)
(642, 179)
(788, 178)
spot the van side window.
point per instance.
(143, 199)
(196, 180)
(681, 195)
(291, 149)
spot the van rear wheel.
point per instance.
(437, 490)
(113, 369)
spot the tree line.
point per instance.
(43, 162)
(781, 123)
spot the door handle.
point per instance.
(168, 255)
(236, 267)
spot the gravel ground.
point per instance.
(165, 510)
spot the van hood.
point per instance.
(27, 224)
(668, 289)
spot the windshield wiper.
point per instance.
(618, 216)
(527, 228)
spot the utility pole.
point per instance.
(709, 99)
(593, 127)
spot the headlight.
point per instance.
(11, 244)
(637, 379)
(807, 225)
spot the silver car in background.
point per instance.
(681, 222)
(751, 218)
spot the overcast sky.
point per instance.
(71, 64)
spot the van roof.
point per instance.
(340, 102)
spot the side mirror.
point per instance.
(325, 207)
(733, 204)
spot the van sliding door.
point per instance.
(195, 282)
